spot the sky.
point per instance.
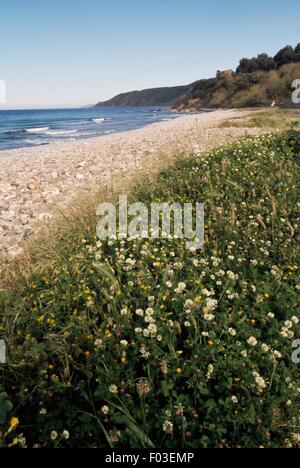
(71, 53)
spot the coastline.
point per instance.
(36, 183)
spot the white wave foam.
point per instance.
(36, 142)
(60, 132)
(36, 130)
(99, 120)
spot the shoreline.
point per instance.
(36, 183)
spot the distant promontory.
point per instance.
(148, 97)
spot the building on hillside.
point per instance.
(225, 74)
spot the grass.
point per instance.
(265, 119)
(142, 343)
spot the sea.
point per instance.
(30, 128)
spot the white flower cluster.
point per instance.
(286, 331)
(252, 341)
(260, 382)
(210, 372)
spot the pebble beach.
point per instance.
(36, 183)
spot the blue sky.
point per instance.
(67, 53)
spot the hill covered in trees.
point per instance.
(259, 81)
(148, 97)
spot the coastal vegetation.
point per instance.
(142, 343)
(258, 82)
(255, 89)
(148, 97)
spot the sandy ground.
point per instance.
(36, 182)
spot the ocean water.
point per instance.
(29, 128)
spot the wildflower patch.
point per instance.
(142, 343)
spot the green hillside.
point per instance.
(148, 97)
(257, 82)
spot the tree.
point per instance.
(247, 66)
(265, 63)
(285, 55)
(297, 52)
(262, 62)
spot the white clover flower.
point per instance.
(113, 389)
(234, 400)
(149, 319)
(295, 320)
(130, 262)
(271, 315)
(252, 341)
(260, 382)
(180, 288)
(232, 331)
(209, 317)
(296, 437)
(211, 304)
(124, 311)
(265, 348)
(105, 409)
(149, 312)
(98, 343)
(140, 312)
(124, 343)
(53, 435)
(169, 284)
(210, 371)
(277, 354)
(152, 329)
(231, 275)
(138, 330)
(146, 333)
(66, 435)
(168, 427)
(244, 353)
(188, 304)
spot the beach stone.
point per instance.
(33, 185)
(45, 217)
(8, 215)
(24, 219)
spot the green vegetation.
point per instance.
(278, 119)
(257, 89)
(143, 343)
(265, 63)
(147, 97)
(258, 82)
